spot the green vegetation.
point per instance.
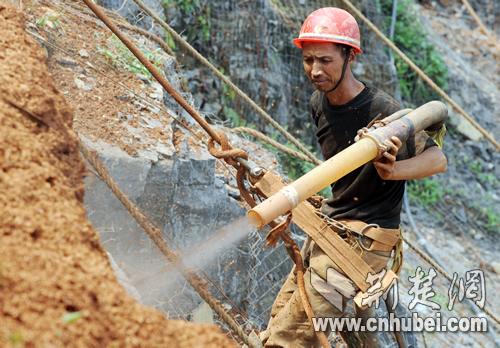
(410, 37)
(169, 40)
(120, 56)
(488, 179)
(486, 214)
(16, 339)
(50, 20)
(197, 16)
(426, 191)
(492, 219)
(228, 96)
(71, 317)
(475, 167)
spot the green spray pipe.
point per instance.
(369, 147)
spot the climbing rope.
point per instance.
(422, 74)
(294, 252)
(155, 234)
(430, 260)
(264, 115)
(262, 137)
(479, 22)
(226, 152)
(153, 104)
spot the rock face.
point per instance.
(57, 286)
(166, 170)
(185, 192)
(184, 196)
(252, 43)
(133, 13)
(468, 56)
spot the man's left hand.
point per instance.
(385, 165)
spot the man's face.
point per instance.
(322, 64)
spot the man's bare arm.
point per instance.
(431, 161)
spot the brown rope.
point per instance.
(264, 115)
(423, 75)
(155, 234)
(294, 252)
(153, 70)
(262, 137)
(478, 20)
(240, 181)
(226, 152)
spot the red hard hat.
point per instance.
(330, 24)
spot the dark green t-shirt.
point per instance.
(362, 194)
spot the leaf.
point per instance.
(71, 317)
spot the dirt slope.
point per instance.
(56, 285)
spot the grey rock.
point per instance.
(212, 108)
(203, 314)
(83, 53)
(84, 83)
(123, 279)
(129, 10)
(66, 61)
(164, 150)
(182, 196)
(149, 155)
(233, 192)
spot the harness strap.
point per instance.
(384, 239)
(328, 237)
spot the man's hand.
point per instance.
(385, 165)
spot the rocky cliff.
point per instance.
(168, 173)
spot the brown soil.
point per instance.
(51, 261)
(116, 99)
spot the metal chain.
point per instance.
(170, 115)
(264, 115)
(155, 234)
(161, 107)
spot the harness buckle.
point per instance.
(362, 238)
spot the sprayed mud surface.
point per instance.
(56, 285)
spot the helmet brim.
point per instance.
(298, 42)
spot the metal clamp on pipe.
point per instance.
(430, 115)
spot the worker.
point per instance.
(369, 197)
